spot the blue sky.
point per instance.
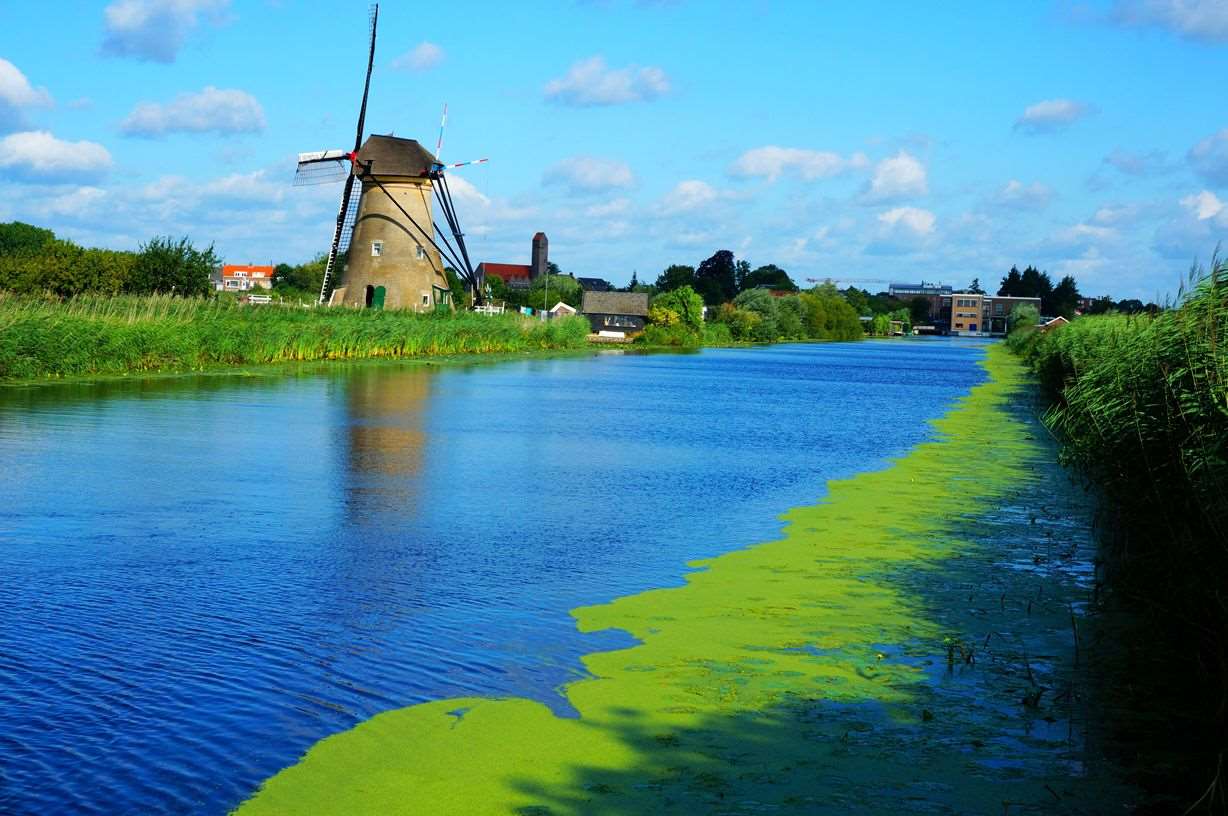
(867, 141)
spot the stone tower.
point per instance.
(537, 264)
(390, 264)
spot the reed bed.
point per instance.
(98, 335)
(1140, 404)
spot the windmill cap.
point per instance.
(394, 156)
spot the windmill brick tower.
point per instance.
(386, 251)
(390, 263)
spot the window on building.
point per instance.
(426, 299)
(999, 308)
(421, 253)
(377, 249)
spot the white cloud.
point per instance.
(1017, 195)
(689, 196)
(216, 110)
(1077, 238)
(1051, 115)
(17, 91)
(771, 162)
(78, 202)
(911, 219)
(590, 82)
(901, 230)
(1204, 20)
(154, 30)
(589, 174)
(1209, 158)
(255, 187)
(422, 57)
(17, 95)
(618, 206)
(1137, 164)
(1204, 205)
(40, 155)
(1118, 215)
(899, 177)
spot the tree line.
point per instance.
(34, 261)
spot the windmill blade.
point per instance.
(366, 88)
(442, 121)
(321, 167)
(463, 164)
(341, 235)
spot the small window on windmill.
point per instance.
(426, 299)
(421, 253)
(377, 249)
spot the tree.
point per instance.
(1012, 284)
(741, 271)
(859, 299)
(769, 275)
(975, 287)
(1065, 298)
(789, 318)
(919, 310)
(1100, 305)
(676, 276)
(552, 268)
(17, 238)
(1131, 306)
(676, 318)
(716, 278)
(173, 267)
(457, 287)
(763, 304)
(306, 277)
(548, 290)
(635, 281)
(1024, 316)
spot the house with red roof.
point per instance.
(240, 278)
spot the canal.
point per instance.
(203, 576)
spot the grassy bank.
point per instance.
(1140, 404)
(98, 335)
(795, 676)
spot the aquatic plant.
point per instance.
(761, 685)
(95, 334)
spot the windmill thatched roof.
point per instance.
(394, 156)
(616, 303)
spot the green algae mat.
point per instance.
(838, 669)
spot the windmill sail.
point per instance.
(321, 167)
(349, 202)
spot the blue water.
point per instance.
(200, 577)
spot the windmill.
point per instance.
(387, 250)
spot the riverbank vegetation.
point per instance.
(44, 337)
(1140, 404)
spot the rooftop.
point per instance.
(617, 303)
(394, 156)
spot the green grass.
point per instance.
(98, 335)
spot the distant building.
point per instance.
(520, 276)
(1051, 323)
(996, 311)
(616, 314)
(595, 285)
(514, 276)
(904, 291)
(976, 314)
(239, 278)
(774, 292)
